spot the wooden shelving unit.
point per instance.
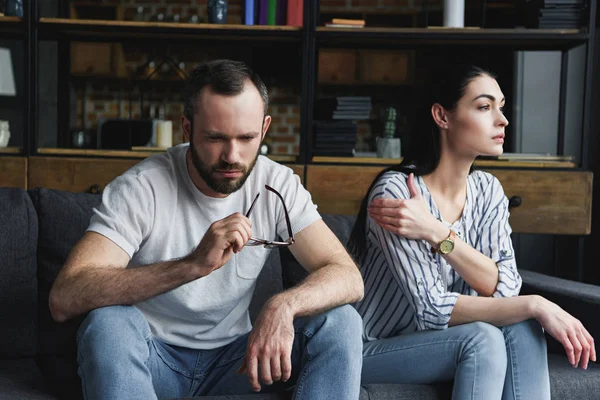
(478, 163)
(138, 153)
(12, 27)
(88, 28)
(11, 150)
(395, 37)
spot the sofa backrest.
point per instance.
(62, 219)
(18, 287)
(292, 271)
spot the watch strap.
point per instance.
(451, 236)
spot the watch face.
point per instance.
(446, 246)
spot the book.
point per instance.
(295, 12)
(271, 12)
(263, 9)
(281, 17)
(249, 12)
(331, 25)
(343, 21)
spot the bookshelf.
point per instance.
(12, 27)
(307, 42)
(140, 30)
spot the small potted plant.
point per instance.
(388, 146)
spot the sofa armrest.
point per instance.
(581, 300)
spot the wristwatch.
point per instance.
(447, 245)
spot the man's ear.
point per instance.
(265, 127)
(186, 126)
(440, 116)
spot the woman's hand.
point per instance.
(409, 218)
(568, 330)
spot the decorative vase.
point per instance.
(4, 133)
(388, 147)
(217, 11)
(14, 8)
(454, 13)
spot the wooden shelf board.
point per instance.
(137, 152)
(478, 163)
(95, 153)
(10, 150)
(465, 32)
(12, 27)
(163, 30)
(283, 158)
(368, 10)
(5, 19)
(517, 38)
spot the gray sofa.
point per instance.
(37, 355)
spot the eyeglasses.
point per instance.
(269, 244)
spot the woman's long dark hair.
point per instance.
(422, 155)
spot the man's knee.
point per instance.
(112, 326)
(341, 328)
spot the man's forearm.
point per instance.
(92, 287)
(496, 311)
(325, 288)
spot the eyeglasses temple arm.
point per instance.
(252, 206)
(287, 216)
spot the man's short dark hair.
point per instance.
(224, 77)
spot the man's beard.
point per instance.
(225, 185)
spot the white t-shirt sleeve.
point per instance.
(301, 209)
(126, 214)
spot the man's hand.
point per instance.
(223, 238)
(409, 218)
(269, 347)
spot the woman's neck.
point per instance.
(449, 179)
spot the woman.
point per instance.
(441, 285)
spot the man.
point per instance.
(166, 269)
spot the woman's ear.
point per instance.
(440, 116)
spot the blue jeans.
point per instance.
(120, 359)
(485, 362)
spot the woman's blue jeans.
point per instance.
(485, 362)
(120, 359)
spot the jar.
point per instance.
(4, 133)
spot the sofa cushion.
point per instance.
(18, 287)
(386, 391)
(568, 383)
(21, 379)
(63, 218)
(293, 272)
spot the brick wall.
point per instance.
(111, 99)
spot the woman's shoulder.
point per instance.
(486, 185)
(392, 184)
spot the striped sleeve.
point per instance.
(413, 267)
(496, 242)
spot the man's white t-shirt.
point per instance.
(155, 213)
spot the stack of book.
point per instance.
(344, 107)
(273, 12)
(335, 138)
(345, 23)
(561, 14)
